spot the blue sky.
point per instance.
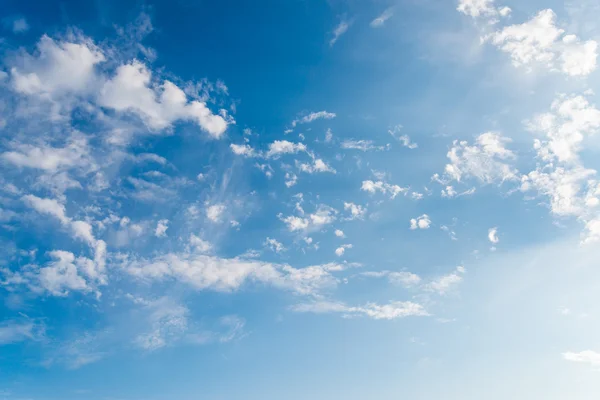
(299, 199)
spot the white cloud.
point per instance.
(570, 121)
(295, 223)
(161, 228)
(274, 245)
(483, 161)
(131, 91)
(380, 20)
(58, 68)
(342, 249)
(62, 275)
(242, 150)
(290, 179)
(323, 215)
(206, 272)
(328, 136)
(339, 30)
(586, 357)
(47, 206)
(168, 323)
(402, 278)
(482, 8)
(15, 331)
(214, 212)
(393, 310)
(313, 116)
(279, 147)
(569, 185)
(383, 187)
(446, 283)
(362, 145)
(422, 222)
(356, 211)
(403, 139)
(266, 168)
(493, 235)
(82, 230)
(316, 166)
(592, 231)
(200, 245)
(538, 41)
(339, 233)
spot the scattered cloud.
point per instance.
(401, 278)
(392, 310)
(356, 211)
(540, 42)
(313, 116)
(447, 283)
(362, 145)
(484, 161)
(279, 147)
(339, 30)
(274, 245)
(342, 249)
(586, 357)
(161, 228)
(380, 20)
(215, 212)
(383, 187)
(422, 222)
(493, 235)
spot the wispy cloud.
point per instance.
(380, 20)
(339, 30)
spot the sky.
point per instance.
(300, 199)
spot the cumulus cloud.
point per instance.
(62, 274)
(382, 187)
(317, 165)
(571, 188)
(59, 68)
(422, 222)
(290, 179)
(243, 150)
(392, 310)
(131, 91)
(279, 147)
(484, 161)
(493, 235)
(339, 233)
(214, 212)
(342, 249)
(274, 245)
(540, 42)
(161, 228)
(323, 215)
(356, 211)
(482, 8)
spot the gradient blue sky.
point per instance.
(299, 199)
